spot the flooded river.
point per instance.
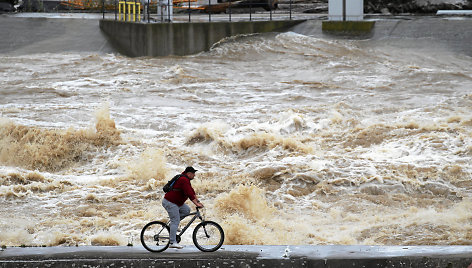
(297, 139)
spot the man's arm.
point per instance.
(190, 193)
(197, 203)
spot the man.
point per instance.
(174, 202)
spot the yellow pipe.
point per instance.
(122, 11)
(139, 11)
(134, 11)
(129, 11)
(122, 6)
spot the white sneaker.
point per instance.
(176, 245)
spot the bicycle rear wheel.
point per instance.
(208, 236)
(155, 236)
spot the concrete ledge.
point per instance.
(348, 27)
(335, 256)
(162, 39)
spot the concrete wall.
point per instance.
(162, 39)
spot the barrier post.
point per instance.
(290, 9)
(344, 10)
(250, 10)
(168, 10)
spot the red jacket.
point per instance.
(181, 191)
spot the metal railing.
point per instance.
(151, 11)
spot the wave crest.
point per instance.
(54, 149)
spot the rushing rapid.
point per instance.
(298, 139)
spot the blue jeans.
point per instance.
(176, 213)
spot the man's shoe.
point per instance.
(176, 245)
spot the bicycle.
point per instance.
(208, 236)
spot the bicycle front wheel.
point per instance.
(155, 236)
(208, 236)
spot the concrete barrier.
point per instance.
(162, 39)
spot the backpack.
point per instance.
(170, 184)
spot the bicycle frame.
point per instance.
(195, 214)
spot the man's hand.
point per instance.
(197, 203)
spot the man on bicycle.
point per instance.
(174, 202)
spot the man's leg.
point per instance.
(174, 215)
(184, 210)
